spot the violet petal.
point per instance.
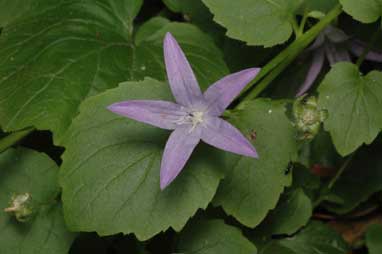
(163, 114)
(318, 42)
(221, 134)
(181, 78)
(357, 48)
(223, 92)
(314, 70)
(178, 150)
(335, 34)
(336, 53)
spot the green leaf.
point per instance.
(291, 213)
(257, 22)
(253, 186)
(213, 236)
(374, 239)
(20, 9)
(150, 28)
(315, 238)
(26, 171)
(353, 102)
(294, 208)
(110, 170)
(197, 13)
(358, 182)
(366, 11)
(87, 47)
(319, 5)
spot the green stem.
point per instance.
(296, 28)
(303, 22)
(13, 138)
(270, 77)
(291, 52)
(368, 48)
(340, 171)
(326, 190)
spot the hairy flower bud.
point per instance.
(20, 207)
(308, 117)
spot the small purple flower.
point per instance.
(194, 116)
(334, 45)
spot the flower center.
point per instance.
(194, 118)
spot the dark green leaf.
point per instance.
(358, 182)
(197, 13)
(213, 236)
(291, 213)
(150, 28)
(53, 59)
(374, 239)
(315, 238)
(110, 173)
(353, 102)
(26, 171)
(253, 186)
(20, 9)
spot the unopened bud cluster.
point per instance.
(308, 117)
(20, 206)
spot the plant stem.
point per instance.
(303, 22)
(13, 138)
(270, 77)
(340, 171)
(290, 53)
(296, 28)
(326, 190)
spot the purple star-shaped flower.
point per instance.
(336, 46)
(194, 116)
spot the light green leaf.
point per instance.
(110, 171)
(213, 236)
(315, 238)
(374, 239)
(291, 213)
(318, 5)
(257, 22)
(366, 11)
(253, 186)
(354, 103)
(26, 171)
(87, 47)
(358, 182)
(150, 28)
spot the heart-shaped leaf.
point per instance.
(23, 171)
(213, 236)
(53, 59)
(257, 22)
(354, 103)
(110, 171)
(253, 186)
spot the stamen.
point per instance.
(194, 118)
